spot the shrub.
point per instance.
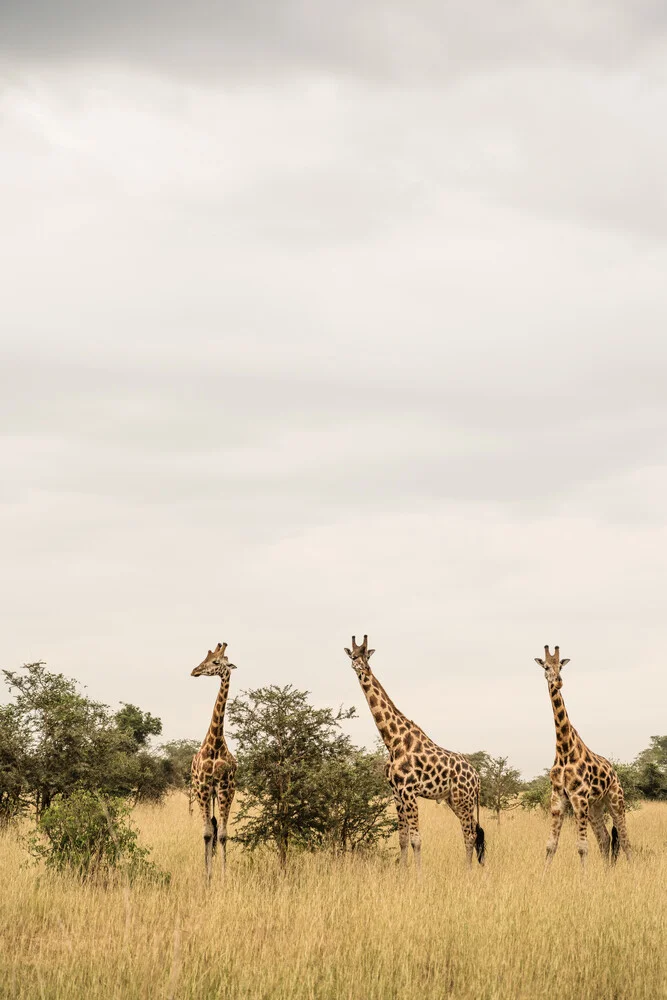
(13, 757)
(92, 838)
(355, 797)
(179, 753)
(537, 793)
(304, 784)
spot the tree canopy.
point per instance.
(304, 784)
(55, 740)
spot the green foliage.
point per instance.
(536, 794)
(628, 777)
(179, 753)
(355, 797)
(304, 783)
(500, 783)
(13, 764)
(139, 725)
(54, 740)
(59, 727)
(650, 769)
(92, 838)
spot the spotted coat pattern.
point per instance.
(214, 766)
(581, 778)
(419, 768)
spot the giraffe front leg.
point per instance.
(412, 818)
(403, 831)
(558, 809)
(581, 811)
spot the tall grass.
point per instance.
(357, 930)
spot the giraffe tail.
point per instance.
(614, 844)
(214, 821)
(480, 845)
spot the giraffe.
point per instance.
(213, 766)
(418, 767)
(582, 778)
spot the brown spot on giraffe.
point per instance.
(582, 778)
(214, 766)
(431, 775)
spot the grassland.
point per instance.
(357, 930)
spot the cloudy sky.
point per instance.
(333, 318)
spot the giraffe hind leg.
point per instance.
(225, 799)
(616, 806)
(473, 835)
(210, 823)
(615, 845)
(596, 817)
(480, 844)
(203, 793)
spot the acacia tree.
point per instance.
(14, 751)
(59, 727)
(500, 783)
(55, 740)
(650, 769)
(304, 784)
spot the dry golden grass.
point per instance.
(357, 930)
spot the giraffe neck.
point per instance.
(389, 721)
(215, 739)
(566, 735)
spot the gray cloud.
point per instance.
(290, 358)
(427, 40)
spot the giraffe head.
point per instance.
(552, 664)
(360, 655)
(214, 664)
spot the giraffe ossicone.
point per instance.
(419, 768)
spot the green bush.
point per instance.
(355, 799)
(627, 775)
(305, 786)
(13, 756)
(92, 837)
(536, 794)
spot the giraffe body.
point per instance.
(583, 779)
(214, 766)
(419, 768)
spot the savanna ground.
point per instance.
(352, 929)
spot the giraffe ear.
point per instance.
(563, 662)
(369, 653)
(541, 662)
(349, 652)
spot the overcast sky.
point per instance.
(333, 318)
